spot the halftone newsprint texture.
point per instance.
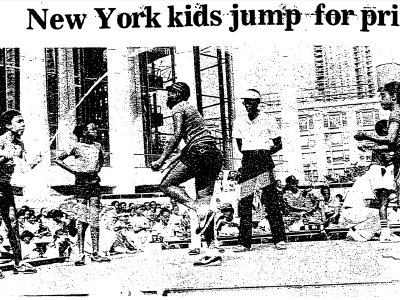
(306, 121)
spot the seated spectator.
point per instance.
(5, 256)
(31, 224)
(226, 224)
(21, 220)
(140, 225)
(63, 243)
(331, 206)
(115, 203)
(185, 225)
(139, 222)
(164, 227)
(146, 206)
(124, 241)
(300, 205)
(122, 207)
(3, 228)
(132, 211)
(108, 219)
(28, 248)
(29, 213)
(130, 206)
(152, 213)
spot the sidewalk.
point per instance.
(334, 267)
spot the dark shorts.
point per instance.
(204, 160)
(87, 186)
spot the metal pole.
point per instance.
(222, 103)
(197, 78)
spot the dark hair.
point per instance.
(393, 88)
(20, 213)
(163, 210)
(25, 207)
(381, 127)
(180, 87)
(79, 130)
(114, 202)
(340, 196)
(324, 188)
(25, 234)
(56, 214)
(291, 180)
(6, 119)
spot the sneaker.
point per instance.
(241, 248)
(195, 251)
(204, 222)
(1, 275)
(217, 246)
(24, 268)
(80, 261)
(354, 236)
(391, 238)
(280, 246)
(209, 261)
(100, 259)
(393, 254)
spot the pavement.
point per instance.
(329, 269)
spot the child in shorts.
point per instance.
(89, 159)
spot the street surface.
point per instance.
(329, 269)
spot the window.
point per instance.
(88, 65)
(367, 117)
(334, 139)
(311, 175)
(9, 79)
(335, 120)
(337, 156)
(306, 123)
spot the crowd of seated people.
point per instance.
(129, 227)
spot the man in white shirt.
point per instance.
(258, 137)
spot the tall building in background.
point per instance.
(341, 104)
(343, 73)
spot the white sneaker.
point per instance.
(391, 238)
(354, 236)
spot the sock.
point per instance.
(384, 223)
(195, 239)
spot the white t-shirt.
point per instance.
(256, 134)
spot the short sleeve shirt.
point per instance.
(194, 126)
(258, 133)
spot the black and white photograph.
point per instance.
(164, 167)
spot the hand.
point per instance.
(156, 165)
(362, 148)
(360, 136)
(37, 159)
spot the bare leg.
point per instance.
(170, 185)
(81, 226)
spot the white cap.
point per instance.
(251, 94)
